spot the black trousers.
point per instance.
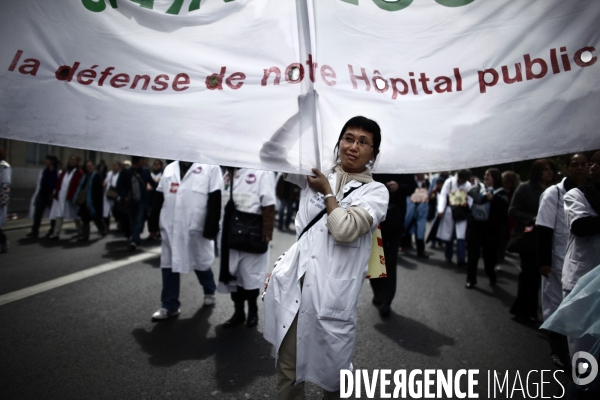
(43, 201)
(526, 303)
(384, 289)
(482, 239)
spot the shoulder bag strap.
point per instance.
(323, 212)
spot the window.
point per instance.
(36, 153)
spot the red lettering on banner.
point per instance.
(362, 77)
(181, 79)
(138, 78)
(161, 83)
(443, 84)
(579, 61)
(554, 62)
(236, 76)
(311, 68)
(215, 81)
(395, 91)
(424, 79)
(482, 83)
(65, 73)
(326, 73)
(529, 63)
(15, 60)
(413, 84)
(565, 59)
(289, 68)
(507, 79)
(119, 80)
(458, 80)
(31, 68)
(267, 73)
(87, 73)
(104, 74)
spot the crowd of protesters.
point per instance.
(548, 220)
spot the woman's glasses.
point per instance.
(593, 163)
(350, 141)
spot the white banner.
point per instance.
(268, 84)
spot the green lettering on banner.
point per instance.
(391, 5)
(454, 3)
(176, 7)
(94, 5)
(355, 2)
(149, 4)
(194, 5)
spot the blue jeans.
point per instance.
(286, 207)
(460, 250)
(137, 217)
(418, 213)
(169, 297)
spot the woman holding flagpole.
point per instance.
(311, 301)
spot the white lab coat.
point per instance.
(583, 253)
(333, 277)
(111, 180)
(551, 214)
(252, 190)
(61, 208)
(447, 225)
(5, 178)
(183, 215)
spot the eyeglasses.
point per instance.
(350, 141)
(593, 163)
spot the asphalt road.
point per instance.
(93, 338)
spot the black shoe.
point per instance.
(493, 282)
(32, 235)
(462, 264)
(252, 321)
(385, 310)
(469, 285)
(235, 320)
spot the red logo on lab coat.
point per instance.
(197, 170)
(174, 187)
(250, 179)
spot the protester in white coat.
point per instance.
(312, 297)
(5, 178)
(552, 238)
(110, 184)
(243, 273)
(62, 206)
(188, 204)
(452, 224)
(582, 212)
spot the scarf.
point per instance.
(591, 191)
(344, 177)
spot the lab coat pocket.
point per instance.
(338, 300)
(200, 185)
(284, 269)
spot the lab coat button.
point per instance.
(296, 301)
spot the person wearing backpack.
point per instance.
(489, 215)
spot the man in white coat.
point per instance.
(5, 175)
(188, 204)
(453, 225)
(582, 212)
(553, 235)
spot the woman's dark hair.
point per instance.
(496, 176)
(535, 173)
(367, 125)
(158, 161)
(52, 159)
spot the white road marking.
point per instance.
(77, 276)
